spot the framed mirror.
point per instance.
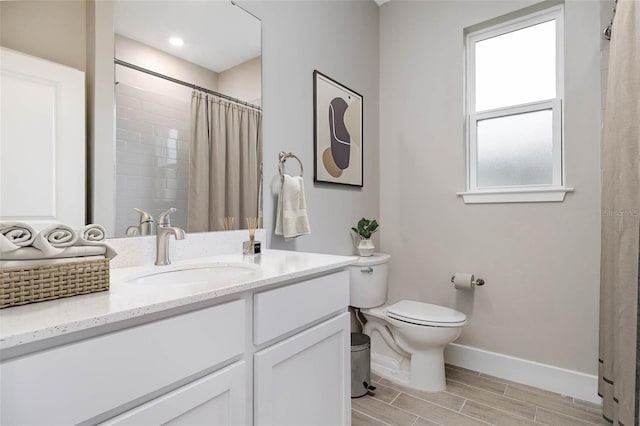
(188, 118)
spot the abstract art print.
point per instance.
(337, 127)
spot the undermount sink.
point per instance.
(211, 274)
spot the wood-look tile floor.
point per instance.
(471, 398)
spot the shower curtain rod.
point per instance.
(184, 83)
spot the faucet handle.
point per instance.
(146, 226)
(164, 219)
(144, 216)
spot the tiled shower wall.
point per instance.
(152, 150)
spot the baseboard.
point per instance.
(543, 376)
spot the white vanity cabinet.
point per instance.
(266, 357)
(304, 379)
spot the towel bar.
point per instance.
(283, 158)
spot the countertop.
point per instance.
(38, 321)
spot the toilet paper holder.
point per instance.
(475, 281)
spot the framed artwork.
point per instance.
(337, 127)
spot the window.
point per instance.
(514, 89)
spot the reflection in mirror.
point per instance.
(188, 116)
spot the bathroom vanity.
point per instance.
(266, 344)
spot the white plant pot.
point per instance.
(365, 247)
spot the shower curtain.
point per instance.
(619, 380)
(224, 163)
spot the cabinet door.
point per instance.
(304, 380)
(216, 399)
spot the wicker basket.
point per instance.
(29, 284)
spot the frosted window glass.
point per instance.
(515, 150)
(516, 67)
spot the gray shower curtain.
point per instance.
(619, 380)
(224, 163)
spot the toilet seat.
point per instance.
(425, 314)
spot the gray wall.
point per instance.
(339, 39)
(540, 260)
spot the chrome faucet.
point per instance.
(164, 230)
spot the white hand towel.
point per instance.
(14, 235)
(95, 235)
(31, 253)
(291, 217)
(53, 239)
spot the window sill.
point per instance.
(518, 195)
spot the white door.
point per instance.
(304, 380)
(42, 140)
(218, 399)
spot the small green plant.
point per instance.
(366, 228)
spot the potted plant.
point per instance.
(364, 230)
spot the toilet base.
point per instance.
(427, 371)
(399, 372)
(424, 371)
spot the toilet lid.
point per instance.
(426, 314)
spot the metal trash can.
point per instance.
(360, 365)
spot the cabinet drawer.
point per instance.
(73, 383)
(216, 399)
(288, 308)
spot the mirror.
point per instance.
(188, 116)
(221, 41)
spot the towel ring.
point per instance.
(283, 158)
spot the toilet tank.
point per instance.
(368, 281)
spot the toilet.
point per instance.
(415, 332)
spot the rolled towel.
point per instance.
(53, 239)
(91, 233)
(14, 235)
(31, 253)
(95, 235)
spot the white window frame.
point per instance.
(521, 193)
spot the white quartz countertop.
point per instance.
(38, 321)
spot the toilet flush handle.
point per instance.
(368, 270)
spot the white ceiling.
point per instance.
(217, 35)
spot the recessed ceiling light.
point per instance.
(176, 41)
